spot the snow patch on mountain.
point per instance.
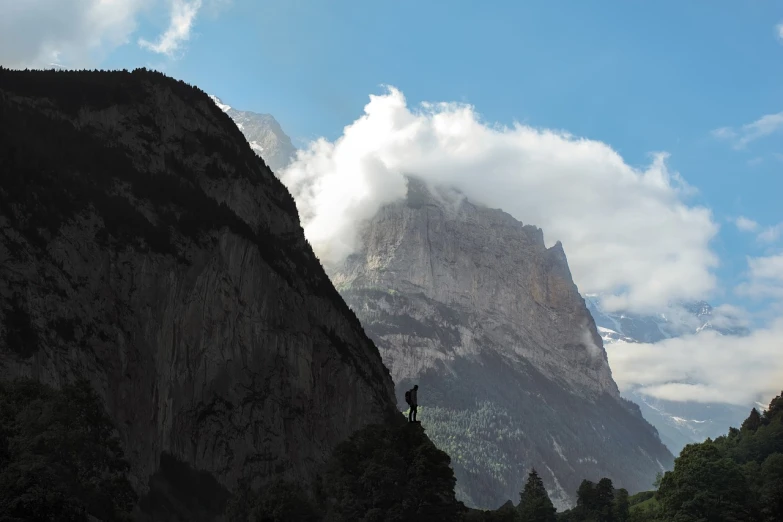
(678, 423)
(223, 107)
(263, 133)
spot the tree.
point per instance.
(705, 485)
(771, 494)
(604, 498)
(658, 479)
(61, 459)
(534, 502)
(621, 507)
(753, 421)
(389, 472)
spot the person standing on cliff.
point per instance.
(413, 401)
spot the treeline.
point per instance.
(736, 477)
(60, 459)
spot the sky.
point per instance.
(646, 136)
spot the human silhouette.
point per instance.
(413, 402)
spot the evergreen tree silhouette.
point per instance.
(753, 421)
(535, 505)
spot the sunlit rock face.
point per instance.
(470, 304)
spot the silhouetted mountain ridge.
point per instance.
(146, 248)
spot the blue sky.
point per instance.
(699, 80)
(640, 76)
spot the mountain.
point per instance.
(146, 248)
(679, 423)
(469, 304)
(675, 320)
(264, 134)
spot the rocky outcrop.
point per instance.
(144, 246)
(470, 304)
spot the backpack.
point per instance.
(408, 396)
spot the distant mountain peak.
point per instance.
(469, 303)
(220, 104)
(673, 420)
(264, 134)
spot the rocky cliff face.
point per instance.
(143, 245)
(469, 303)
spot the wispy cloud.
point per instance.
(764, 278)
(771, 233)
(742, 136)
(779, 31)
(746, 224)
(183, 15)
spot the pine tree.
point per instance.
(621, 507)
(585, 497)
(534, 502)
(604, 494)
(753, 421)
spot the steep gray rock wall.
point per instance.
(152, 252)
(471, 305)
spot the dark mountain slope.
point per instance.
(145, 247)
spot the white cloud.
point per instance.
(81, 33)
(705, 367)
(728, 316)
(771, 233)
(626, 231)
(746, 224)
(183, 15)
(779, 31)
(724, 133)
(764, 278)
(764, 126)
(38, 33)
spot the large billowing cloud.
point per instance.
(627, 232)
(705, 367)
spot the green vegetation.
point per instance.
(382, 473)
(736, 477)
(394, 473)
(534, 502)
(599, 502)
(59, 457)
